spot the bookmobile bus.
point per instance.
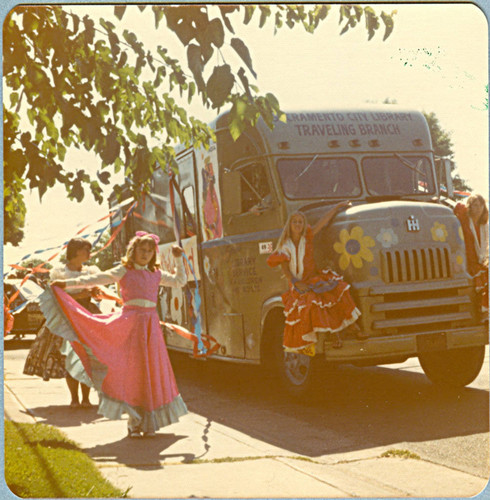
(399, 245)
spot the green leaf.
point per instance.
(191, 91)
(123, 58)
(249, 12)
(227, 9)
(89, 31)
(14, 99)
(76, 23)
(265, 12)
(358, 11)
(61, 151)
(372, 21)
(194, 61)
(119, 11)
(220, 84)
(114, 42)
(242, 50)
(344, 12)
(237, 123)
(244, 80)
(159, 14)
(272, 100)
(215, 32)
(389, 24)
(30, 21)
(104, 177)
(111, 150)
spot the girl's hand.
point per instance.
(59, 284)
(95, 292)
(177, 251)
(342, 205)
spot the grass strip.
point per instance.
(392, 452)
(41, 462)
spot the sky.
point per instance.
(436, 60)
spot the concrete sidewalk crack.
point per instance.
(18, 402)
(360, 477)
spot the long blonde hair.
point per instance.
(286, 232)
(478, 197)
(128, 260)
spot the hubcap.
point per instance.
(297, 367)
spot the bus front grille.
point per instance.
(406, 308)
(416, 264)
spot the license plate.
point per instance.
(432, 342)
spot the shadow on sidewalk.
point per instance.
(64, 416)
(141, 453)
(351, 409)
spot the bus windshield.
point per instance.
(398, 175)
(317, 177)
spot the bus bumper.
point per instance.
(403, 346)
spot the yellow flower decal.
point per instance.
(439, 232)
(354, 247)
(459, 260)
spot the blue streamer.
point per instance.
(197, 302)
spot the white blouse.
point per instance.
(481, 243)
(114, 275)
(295, 258)
(62, 272)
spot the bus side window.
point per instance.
(255, 189)
(189, 207)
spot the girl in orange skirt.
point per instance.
(473, 217)
(317, 301)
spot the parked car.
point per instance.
(25, 310)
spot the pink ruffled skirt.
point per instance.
(124, 356)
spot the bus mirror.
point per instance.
(448, 167)
(231, 195)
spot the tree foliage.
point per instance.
(104, 259)
(443, 147)
(72, 82)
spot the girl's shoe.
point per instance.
(86, 404)
(134, 433)
(149, 434)
(74, 404)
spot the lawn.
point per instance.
(41, 462)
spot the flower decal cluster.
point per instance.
(387, 237)
(354, 247)
(439, 232)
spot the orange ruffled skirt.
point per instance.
(311, 312)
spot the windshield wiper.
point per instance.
(410, 165)
(307, 168)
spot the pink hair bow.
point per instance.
(155, 238)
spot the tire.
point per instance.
(454, 368)
(296, 373)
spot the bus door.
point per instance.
(178, 305)
(235, 263)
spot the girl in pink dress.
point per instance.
(316, 301)
(124, 355)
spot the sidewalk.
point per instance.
(201, 458)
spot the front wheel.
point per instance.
(296, 373)
(454, 367)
